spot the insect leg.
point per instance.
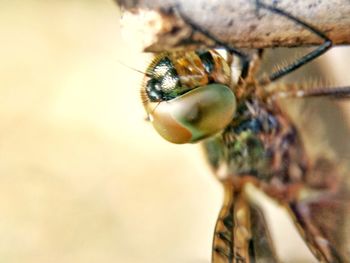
(244, 58)
(302, 91)
(303, 60)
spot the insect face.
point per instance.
(188, 95)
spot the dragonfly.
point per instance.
(192, 96)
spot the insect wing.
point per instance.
(321, 209)
(241, 233)
(323, 217)
(261, 245)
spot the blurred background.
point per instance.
(83, 178)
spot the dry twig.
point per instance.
(154, 24)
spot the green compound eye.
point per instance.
(194, 115)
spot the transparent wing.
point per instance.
(261, 243)
(241, 233)
(321, 209)
(322, 213)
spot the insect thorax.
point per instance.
(260, 142)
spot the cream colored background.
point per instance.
(83, 178)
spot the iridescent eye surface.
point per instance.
(195, 115)
(187, 96)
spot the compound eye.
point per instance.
(195, 115)
(153, 90)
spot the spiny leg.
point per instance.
(303, 91)
(303, 60)
(245, 61)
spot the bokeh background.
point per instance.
(83, 178)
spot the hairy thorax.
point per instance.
(261, 143)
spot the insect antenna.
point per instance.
(149, 115)
(134, 69)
